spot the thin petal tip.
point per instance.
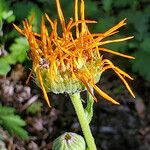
(133, 95)
(116, 103)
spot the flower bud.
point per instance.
(69, 141)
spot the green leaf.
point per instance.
(20, 132)
(147, 10)
(18, 54)
(107, 5)
(91, 9)
(10, 60)
(145, 45)
(138, 20)
(3, 7)
(6, 110)
(24, 10)
(124, 3)
(4, 67)
(13, 119)
(141, 63)
(18, 50)
(34, 108)
(14, 128)
(11, 122)
(5, 12)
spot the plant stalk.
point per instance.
(76, 101)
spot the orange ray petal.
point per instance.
(43, 88)
(61, 16)
(126, 84)
(76, 17)
(101, 36)
(116, 40)
(31, 20)
(82, 16)
(50, 21)
(117, 26)
(123, 73)
(70, 23)
(18, 29)
(116, 53)
(105, 68)
(103, 94)
(88, 88)
(81, 21)
(117, 69)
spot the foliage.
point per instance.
(137, 13)
(17, 54)
(5, 12)
(1, 137)
(34, 108)
(17, 50)
(27, 10)
(11, 122)
(5, 67)
(106, 12)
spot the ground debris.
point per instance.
(123, 127)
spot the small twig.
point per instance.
(30, 101)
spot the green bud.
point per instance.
(69, 141)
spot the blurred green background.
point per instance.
(13, 47)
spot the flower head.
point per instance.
(71, 63)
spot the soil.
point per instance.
(114, 127)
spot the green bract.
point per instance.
(64, 82)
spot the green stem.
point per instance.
(76, 100)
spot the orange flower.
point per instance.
(71, 63)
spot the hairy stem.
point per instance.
(76, 101)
